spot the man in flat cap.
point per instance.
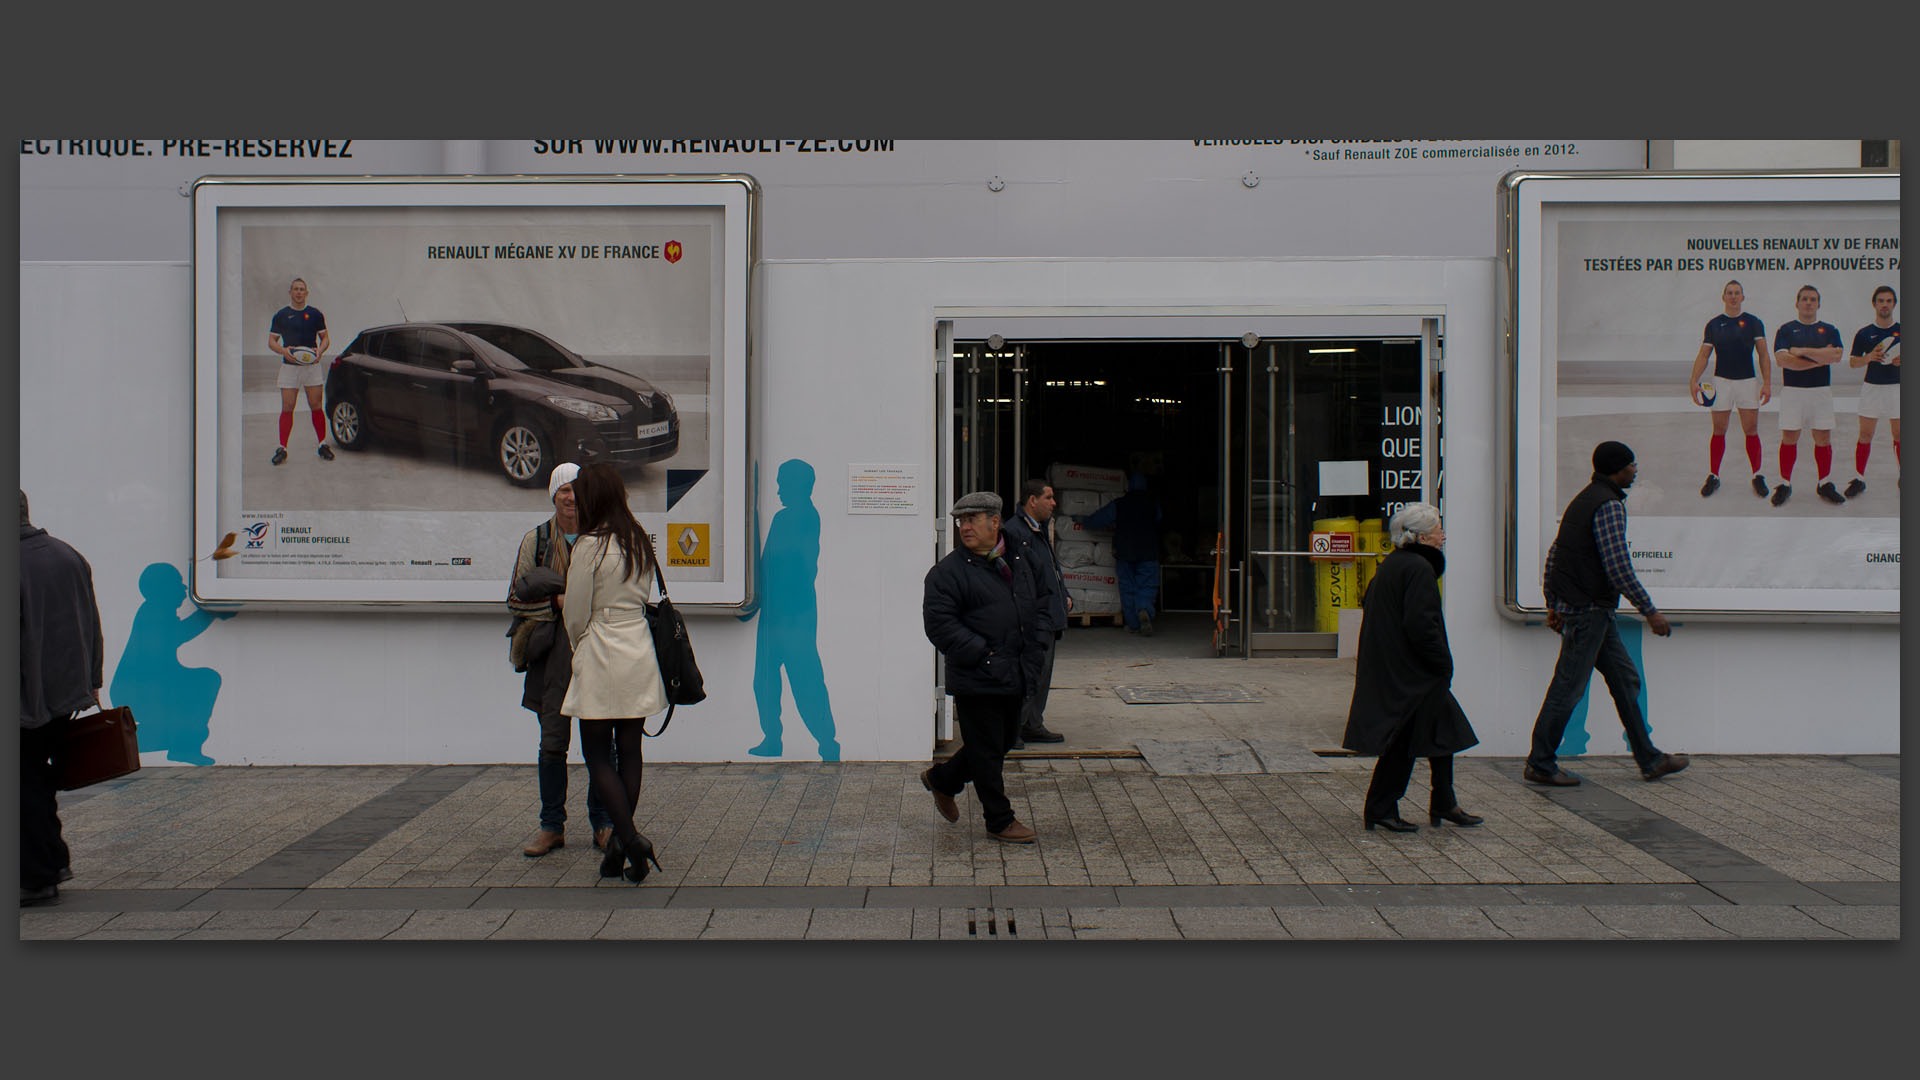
(1587, 571)
(986, 611)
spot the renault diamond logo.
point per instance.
(689, 541)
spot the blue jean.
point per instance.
(1589, 641)
(556, 734)
(1139, 588)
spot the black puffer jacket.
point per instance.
(992, 633)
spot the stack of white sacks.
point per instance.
(1086, 555)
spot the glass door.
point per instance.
(1332, 441)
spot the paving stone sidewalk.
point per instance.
(1796, 847)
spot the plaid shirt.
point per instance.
(1610, 533)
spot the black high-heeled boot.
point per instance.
(615, 857)
(1456, 815)
(1392, 823)
(640, 853)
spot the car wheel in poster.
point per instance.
(525, 454)
(349, 423)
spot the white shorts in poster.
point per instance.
(481, 333)
(1730, 394)
(298, 376)
(1880, 401)
(1802, 407)
(1614, 279)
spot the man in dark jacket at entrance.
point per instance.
(1135, 520)
(985, 610)
(1031, 528)
(1587, 571)
(62, 655)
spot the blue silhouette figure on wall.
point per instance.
(1573, 742)
(172, 704)
(789, 614)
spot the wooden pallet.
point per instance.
(1115, 619)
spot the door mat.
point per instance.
(1185, 693)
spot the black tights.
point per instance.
(619, 789)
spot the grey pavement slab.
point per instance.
(126, 899)
(1653, 922)
(773, 896)
(757, 924)
(656, 924)
(371, 899)
(238, 933)
(1228, 923)
(1768, 892)
(1445, 921)
(1865, 921)
(1586, 894)
(929, 896)
(50, 924)
(240, 899)
(573, 898)
(430, 925)
(1213, 896)
(1061, 896)
(1878, 893)
(1343, 922)
(348, 925)
(1549, 921)
(861, 924)
(1207, 693)
(133, 935)
(1123, 924)
(551, 925)
(256, 919)
(1407, 895)
(158, 920)
(1773, 921)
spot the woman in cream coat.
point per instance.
(616, 680)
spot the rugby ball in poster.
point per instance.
(1893, 350)
(1707, 394)
(302, 355)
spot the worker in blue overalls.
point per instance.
(1135, 520)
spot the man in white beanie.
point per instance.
(539, 647)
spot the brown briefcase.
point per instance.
(98, 746)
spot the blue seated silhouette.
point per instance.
(789, 614)
(1574, 741)
(172, 704)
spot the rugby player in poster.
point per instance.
(1742, 380)
(1806, 350)
(299, 337)
(1877, 348)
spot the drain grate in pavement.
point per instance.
(1184, 694)
(985, 923)
(1190, 757)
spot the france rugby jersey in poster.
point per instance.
(1732, 339)
(1798, 335)
(1864, 343)
(297, 328)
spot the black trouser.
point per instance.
(1391, 774)
(43, 854)
(988, 723)
(1033, 713)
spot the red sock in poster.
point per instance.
(1823, 460)
(1753, 453)
(1860, 452)
(1788, 451)
(1896, 451)
(1716, 449)
(319, 425)
(286, 428)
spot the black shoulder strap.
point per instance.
(542, 536)
(659, 580)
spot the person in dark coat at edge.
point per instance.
(1403, 706)
(985, 610)
(62, 661)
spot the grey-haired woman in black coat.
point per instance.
(1403, 706)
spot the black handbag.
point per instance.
(673, 649)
